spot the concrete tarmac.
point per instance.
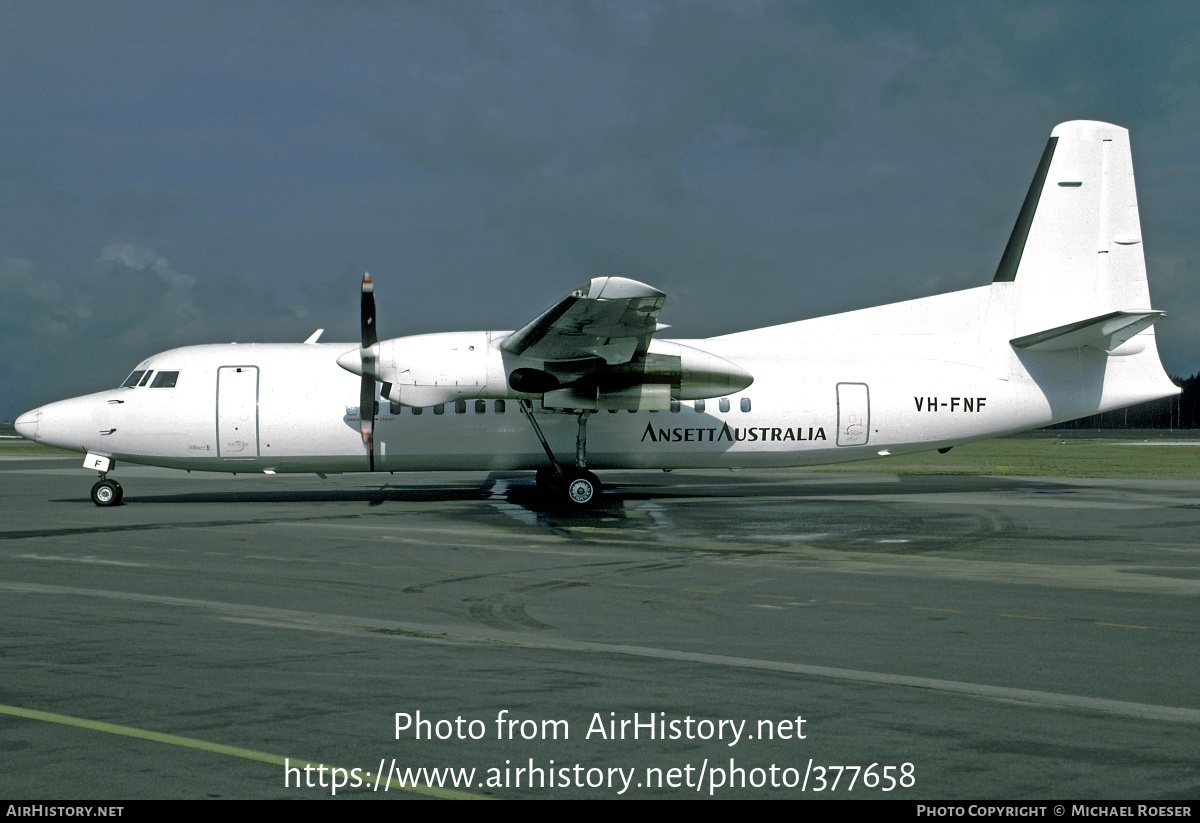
(748, 634)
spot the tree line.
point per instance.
(1182, 412)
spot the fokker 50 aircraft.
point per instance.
(1064, 330)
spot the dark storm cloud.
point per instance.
(199, 173)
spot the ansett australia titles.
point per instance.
(603, 726)
(712, 434)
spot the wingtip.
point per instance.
(618, 288)
(367, 285)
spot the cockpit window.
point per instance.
(165, 380)
(132, 380)
(145, 378)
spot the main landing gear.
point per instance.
(573, 486)
(107, 492)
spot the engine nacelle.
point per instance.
(703, 375)
(430, 369)
(668, 371)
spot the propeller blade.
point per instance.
(366, 415)
(369, 337)
(367, 355)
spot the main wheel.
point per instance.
(582, 489)
(107, 493)
(548, 481)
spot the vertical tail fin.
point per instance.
(1075, 253)
(1073, 278)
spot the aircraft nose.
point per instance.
(27, 424)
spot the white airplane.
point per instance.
(1064, 330)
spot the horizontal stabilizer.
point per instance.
(1106, 332)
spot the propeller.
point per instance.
(368, 354)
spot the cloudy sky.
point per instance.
(177, 173)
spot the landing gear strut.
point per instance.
(574, 486)
(107, 492)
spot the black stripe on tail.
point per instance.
(1006, 272)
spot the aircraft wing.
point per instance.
(612, 318)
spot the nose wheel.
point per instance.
(107, 493)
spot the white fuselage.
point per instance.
(911, 376)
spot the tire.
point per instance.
(548, 481)
(582, 489)
(107, 493)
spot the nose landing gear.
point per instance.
(107, 492)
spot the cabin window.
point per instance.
(612, 411)
(700, 406)
(460, 406)
(440, 408)
(132, 380)
(146, 378)
(745, 404)
(480, 406)
(724, 404)
(417, 409)
(165, 380)
(499, 406)
(675, 405)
